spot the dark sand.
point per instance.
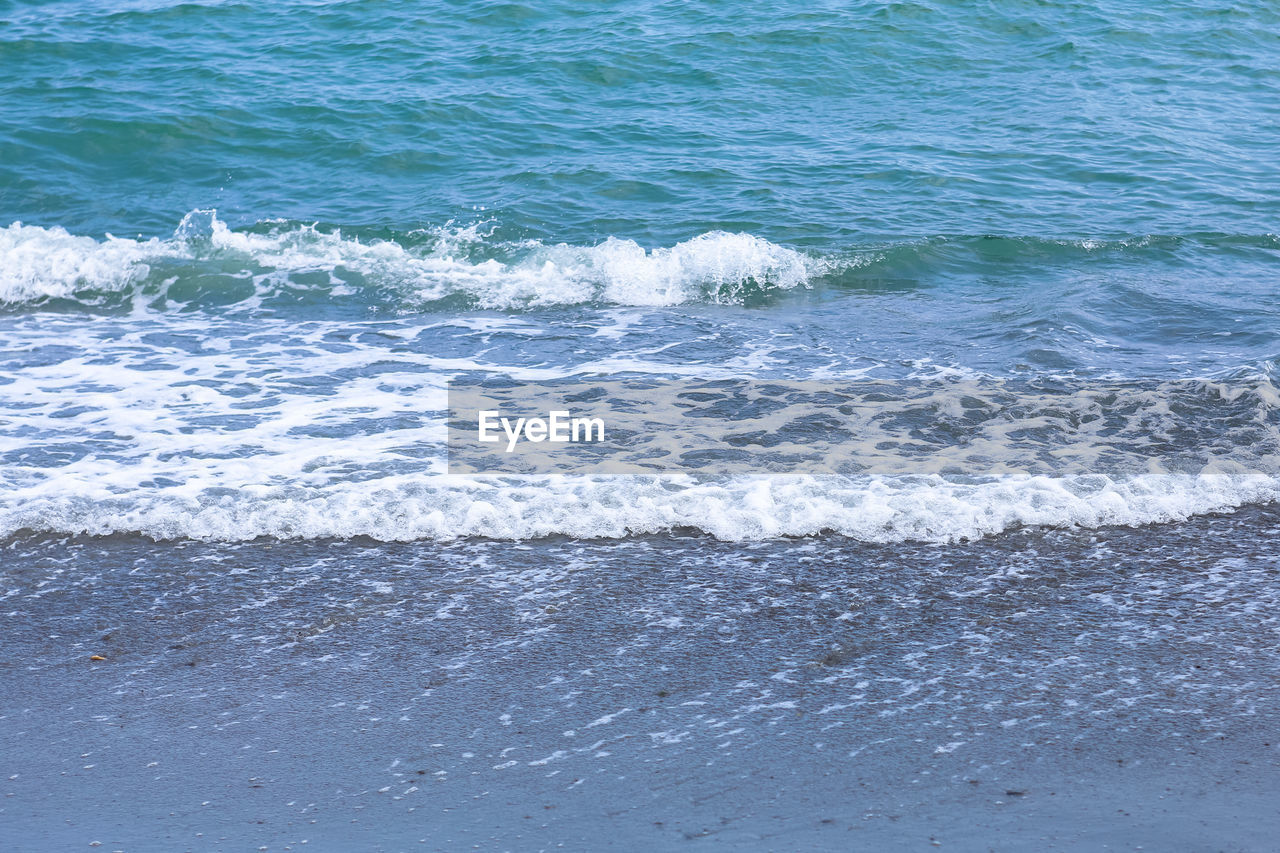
(1113, 690)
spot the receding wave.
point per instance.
(876, 510)
(941, 461)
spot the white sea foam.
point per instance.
(443, 508)
(40, 263)
(188, 425)
(273, 433)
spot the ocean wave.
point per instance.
(879, 510)
(41, 265)
(206, 264)
(38, 264)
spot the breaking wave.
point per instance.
(206, 264)
(205, 261)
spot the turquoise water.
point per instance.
(815, 124)
(243, 246)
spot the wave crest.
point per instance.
(39, 264)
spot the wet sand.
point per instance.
(1110, 690)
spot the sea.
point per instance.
(246, 249)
